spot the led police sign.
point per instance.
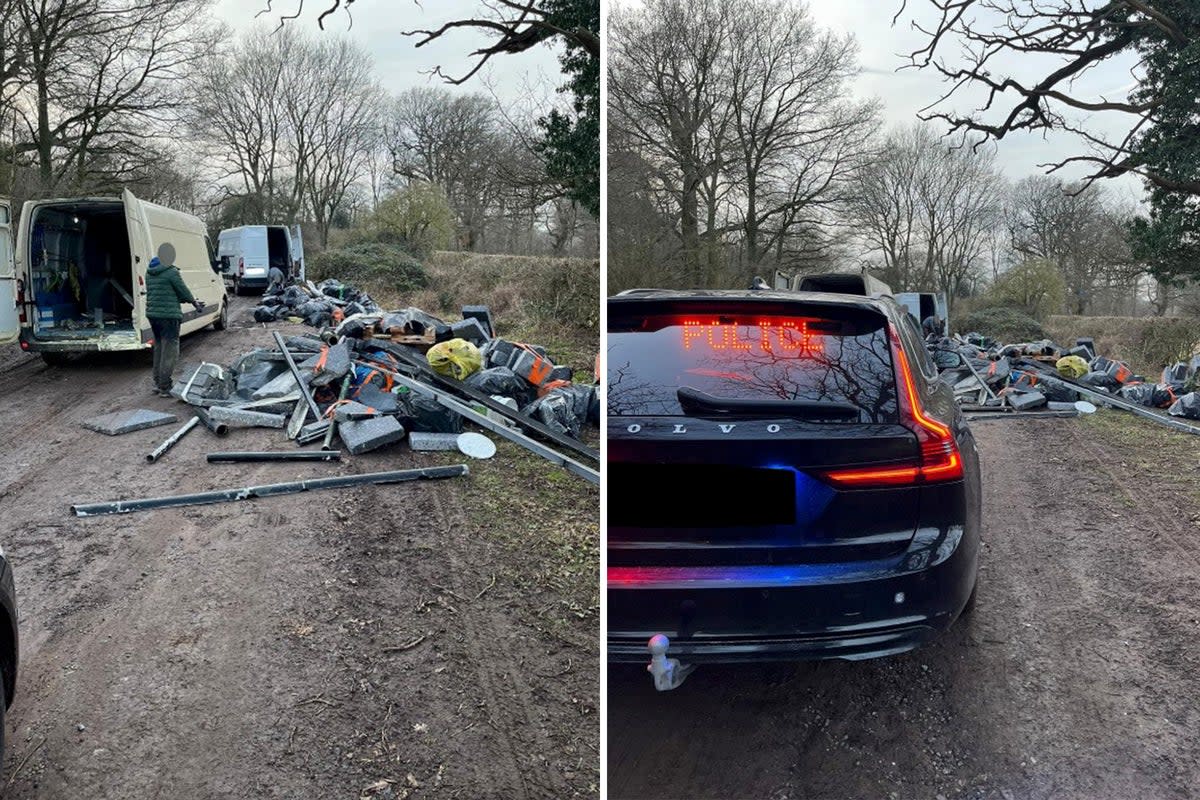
(784, 336)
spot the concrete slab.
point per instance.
(369, 434)
(120, 422)
(237, 418)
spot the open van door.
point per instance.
(10, 324)
(298, 252)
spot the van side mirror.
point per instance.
(216, 266)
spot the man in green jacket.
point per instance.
(165, 292)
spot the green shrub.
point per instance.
(1036, 287)
(378, 268)
(1147, 343)
(1008, 325)
(417, 217)
(524, 292)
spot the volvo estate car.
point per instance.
(787, 478)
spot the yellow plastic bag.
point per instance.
(456, 358)
(1071, 367)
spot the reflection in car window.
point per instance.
(750, 357)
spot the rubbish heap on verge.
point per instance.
(316, 305)
(379, 375)
(371, 380)
(991, 379)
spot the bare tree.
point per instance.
(334, 103)
(102, 78)
(517, 26)
(1068, 38)
(1078, 229)
(454, 141)
(668, 81)
(795, 139)
(929, 211)
(291, 123)
(238, 112)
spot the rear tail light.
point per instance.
(940, 459)
(241, 267)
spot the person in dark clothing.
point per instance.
(931, 326)
(165, 292)
(275, 280)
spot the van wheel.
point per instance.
(55, 359)
(237, 287)
(222, 320)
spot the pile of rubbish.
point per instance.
(373, 380)
(991, 377)
(379, 376)
(316, 305)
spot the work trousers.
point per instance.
(166, 351)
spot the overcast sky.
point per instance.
(522, 79)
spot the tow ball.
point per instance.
(668, 673)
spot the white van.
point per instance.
(78, 279)
(248, 253)
(927, 304)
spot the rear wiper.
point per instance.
(696, 401)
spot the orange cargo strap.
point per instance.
(541, 367)
(321, 361)
(549, 385)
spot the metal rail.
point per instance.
(268, 490)
(172, 440)
(236, 457)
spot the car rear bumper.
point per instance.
(852, 610)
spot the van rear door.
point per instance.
(139, 250)
(298, 253)
(10, 325)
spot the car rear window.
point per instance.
(749, 351)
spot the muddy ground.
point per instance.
(400, 641)
(1079, 676)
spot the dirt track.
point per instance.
(242, 650)
(1078, 678)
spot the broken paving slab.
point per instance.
(368, 434)
(120, 422)
(238, 418)
(332, 365)
(351, 411)
(282, 386)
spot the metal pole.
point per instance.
(291, 455)
(582, 470)
(269, 490)
(304, 390)
(986, 415)
(170, 442)
(1133, 408)
(219, 428)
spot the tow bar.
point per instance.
(668, 673)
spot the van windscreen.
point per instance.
(704, 359)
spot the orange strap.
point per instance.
(321, 361)
(541, 367)
(548, 386)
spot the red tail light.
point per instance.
(940, 459)
(241, 267)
